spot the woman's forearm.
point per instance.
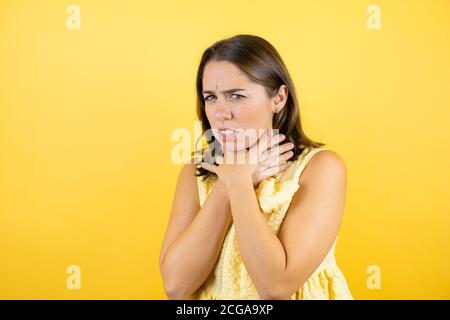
(260, 249)
(191, 257)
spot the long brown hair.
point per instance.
(261, 62)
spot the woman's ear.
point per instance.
(279, 100)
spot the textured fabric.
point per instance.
(229, 278)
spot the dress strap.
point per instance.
(202, 192)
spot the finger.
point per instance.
(285, 147)
(276, 139)
(285, 156)
(209, 167)
(262, 141)
(261, 145)
(254, 153)
(272, 146)
(270, 171)
(276, 155)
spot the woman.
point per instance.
(252, 220)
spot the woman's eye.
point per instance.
(236, 96)
(233, 96)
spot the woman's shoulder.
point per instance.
(189, 167)
(187, 176)
(322, 163)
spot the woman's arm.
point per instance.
(279, 265)
(194, 235)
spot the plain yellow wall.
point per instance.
(86, 118)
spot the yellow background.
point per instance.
(86, 118)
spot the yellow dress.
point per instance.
(229, 279)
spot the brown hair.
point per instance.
(261, 62)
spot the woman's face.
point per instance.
(234, 102)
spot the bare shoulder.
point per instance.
(326, 166)
(187, 177)
(189, 168)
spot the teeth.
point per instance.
(227, 132)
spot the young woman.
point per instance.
(254, 229)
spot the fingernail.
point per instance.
(282, 136)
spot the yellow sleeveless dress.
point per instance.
(229, 279)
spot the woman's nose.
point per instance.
(223, 112)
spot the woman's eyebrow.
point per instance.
(225, 91)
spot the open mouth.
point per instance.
(227, 134)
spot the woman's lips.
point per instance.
(227, 134)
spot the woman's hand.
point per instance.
(262, 160)
(276, 161)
